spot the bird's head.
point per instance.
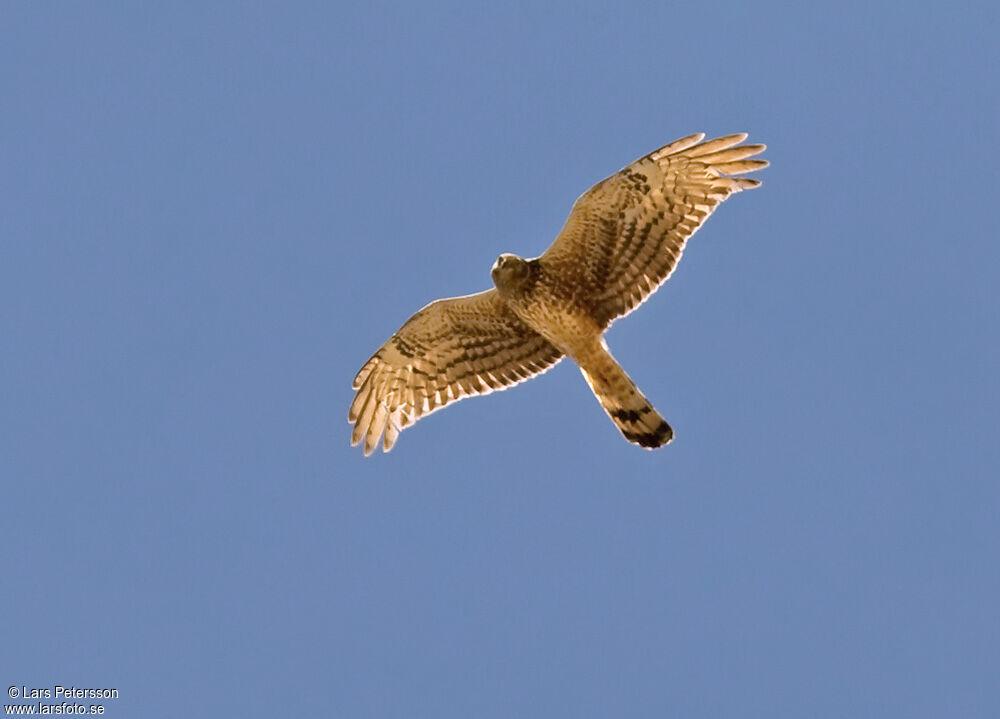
(511, 274)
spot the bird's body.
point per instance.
(555, 303)
(622, 240)
(550, 304)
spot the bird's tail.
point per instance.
(621, 399)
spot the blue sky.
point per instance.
(212, 215)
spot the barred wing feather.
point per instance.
(451, 349)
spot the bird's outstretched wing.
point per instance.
(450, 349)
(625, 235)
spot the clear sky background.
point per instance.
(211, 215)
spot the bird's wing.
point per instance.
(625, 235)
(452, 348)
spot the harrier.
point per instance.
(622, 240)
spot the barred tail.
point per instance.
(628, 409)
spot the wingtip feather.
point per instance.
(376, 428)
(744, 183)
(737, 166)
(678, 145)
(729, 154)
(716, 144)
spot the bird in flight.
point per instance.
(622, 240)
